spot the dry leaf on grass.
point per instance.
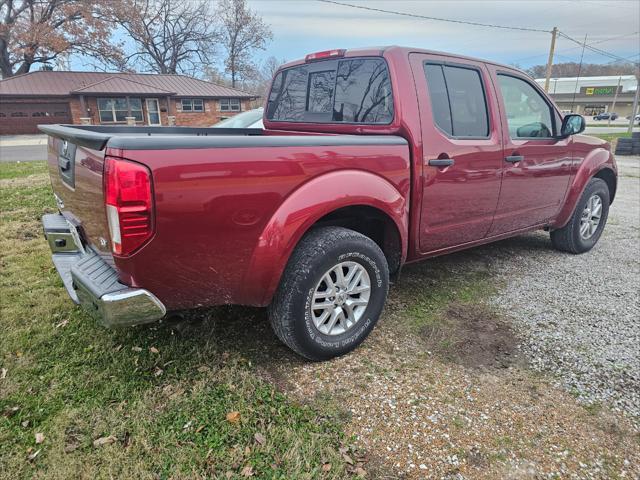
(136, 349)
(326, 467)
(154, 350)
(99, 442)
(157, 372)
(32, 456)
(361, 472)
(347, 459)
(39, 437)
(233, 417)
(3, 373)
(259, 438)
(63, 323)
(10, 412)
(200, 428)
(247, 471)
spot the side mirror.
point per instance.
(572, 124)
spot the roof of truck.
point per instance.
(378, 51)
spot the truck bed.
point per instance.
(220, 195)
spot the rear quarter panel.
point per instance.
(213, 206)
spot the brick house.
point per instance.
(109, 98)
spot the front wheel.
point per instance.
(331, 294)
(585, 227)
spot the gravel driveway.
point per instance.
(579, 314)
(443, 389)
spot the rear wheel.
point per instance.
(331, 294)
(587, 222)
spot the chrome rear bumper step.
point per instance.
(93, 283)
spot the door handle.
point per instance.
(441, 162)
(64, 163)
(514, 158)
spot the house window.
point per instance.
(229, 104)
(116, 109)
(192, 105)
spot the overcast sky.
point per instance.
(304, 26)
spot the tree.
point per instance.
(571, 69)
(39, 31)
(243, 32)
(171, 36)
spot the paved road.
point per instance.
(23, 153)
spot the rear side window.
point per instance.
(333, 91)
(458, 101)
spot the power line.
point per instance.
(476, 24)
(479, 24)
(579, 46)
(591, 48)
(438, 19)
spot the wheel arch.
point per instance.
(345, 198)
(598, 164)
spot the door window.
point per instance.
(457, 100)
(528, 114)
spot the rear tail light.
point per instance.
(129, 202)
(326, 54)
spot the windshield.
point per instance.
(354, 90)
(241, 120)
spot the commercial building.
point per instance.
(592, 95)
(113, 98)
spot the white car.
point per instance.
(248, 119)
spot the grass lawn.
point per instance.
(612, 138)
(167, 401)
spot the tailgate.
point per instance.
(76, 177)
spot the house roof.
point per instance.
(57, 83)
(121, 85)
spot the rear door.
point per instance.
(537, 166)
(461, 150)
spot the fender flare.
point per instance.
(596, 161)
(305, 206)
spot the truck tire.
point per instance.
(587, 221)
(345, 276)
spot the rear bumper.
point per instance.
(93, 283)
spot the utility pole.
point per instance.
(635, 104)
(615, 98)
(554, 33)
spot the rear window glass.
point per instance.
(333, 91)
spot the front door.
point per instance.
(153, 111)
(537, 166)
(461, 150)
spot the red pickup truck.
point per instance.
(369, 159)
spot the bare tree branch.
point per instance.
(243, 32)
(171, 36)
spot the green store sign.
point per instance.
(599, 90)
